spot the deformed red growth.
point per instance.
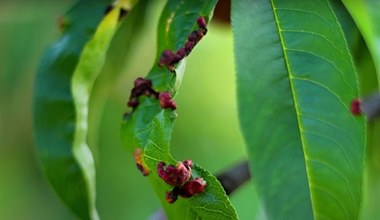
(355, 107)
(181, 53)
(167, 59)
(133, 102)
(141, 87)
(200, 34)
(192, 187)
(201, 21)
(189, 47)
(179, 176)
(193, 36)
(188, 164)
(174, 175)
(141, 82)
(189, 189)
(166, 101)
(140, 164)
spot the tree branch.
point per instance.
(370, 106)
(233, 178)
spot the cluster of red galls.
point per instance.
(169, 58)
(143, 87)
(180, 177)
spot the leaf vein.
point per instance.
(323, 58)
(317, 35)
(301, 11)
(294, 95)
(334, 197)
(335, 127)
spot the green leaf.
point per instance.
(212, 203)
(295, 82)
(149, 127)
(62, 91)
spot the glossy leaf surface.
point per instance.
(149, 127)
(295, 81)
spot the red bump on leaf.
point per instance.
(166, 58)
(166, 101)
(133, 103)
(181, 53)
(355, 107)
(174, 175)
(192, 187)
(200, 34)
(188, 164)
(138, 154)
(141, 82)
(141, 87)
(189, 46)
(201, 21)
(193, 36)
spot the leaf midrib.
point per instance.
(294, 96)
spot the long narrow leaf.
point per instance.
(295, 81)
(62, 91)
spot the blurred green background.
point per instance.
(206, 131)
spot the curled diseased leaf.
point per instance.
(62, 92)
(189, 195)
